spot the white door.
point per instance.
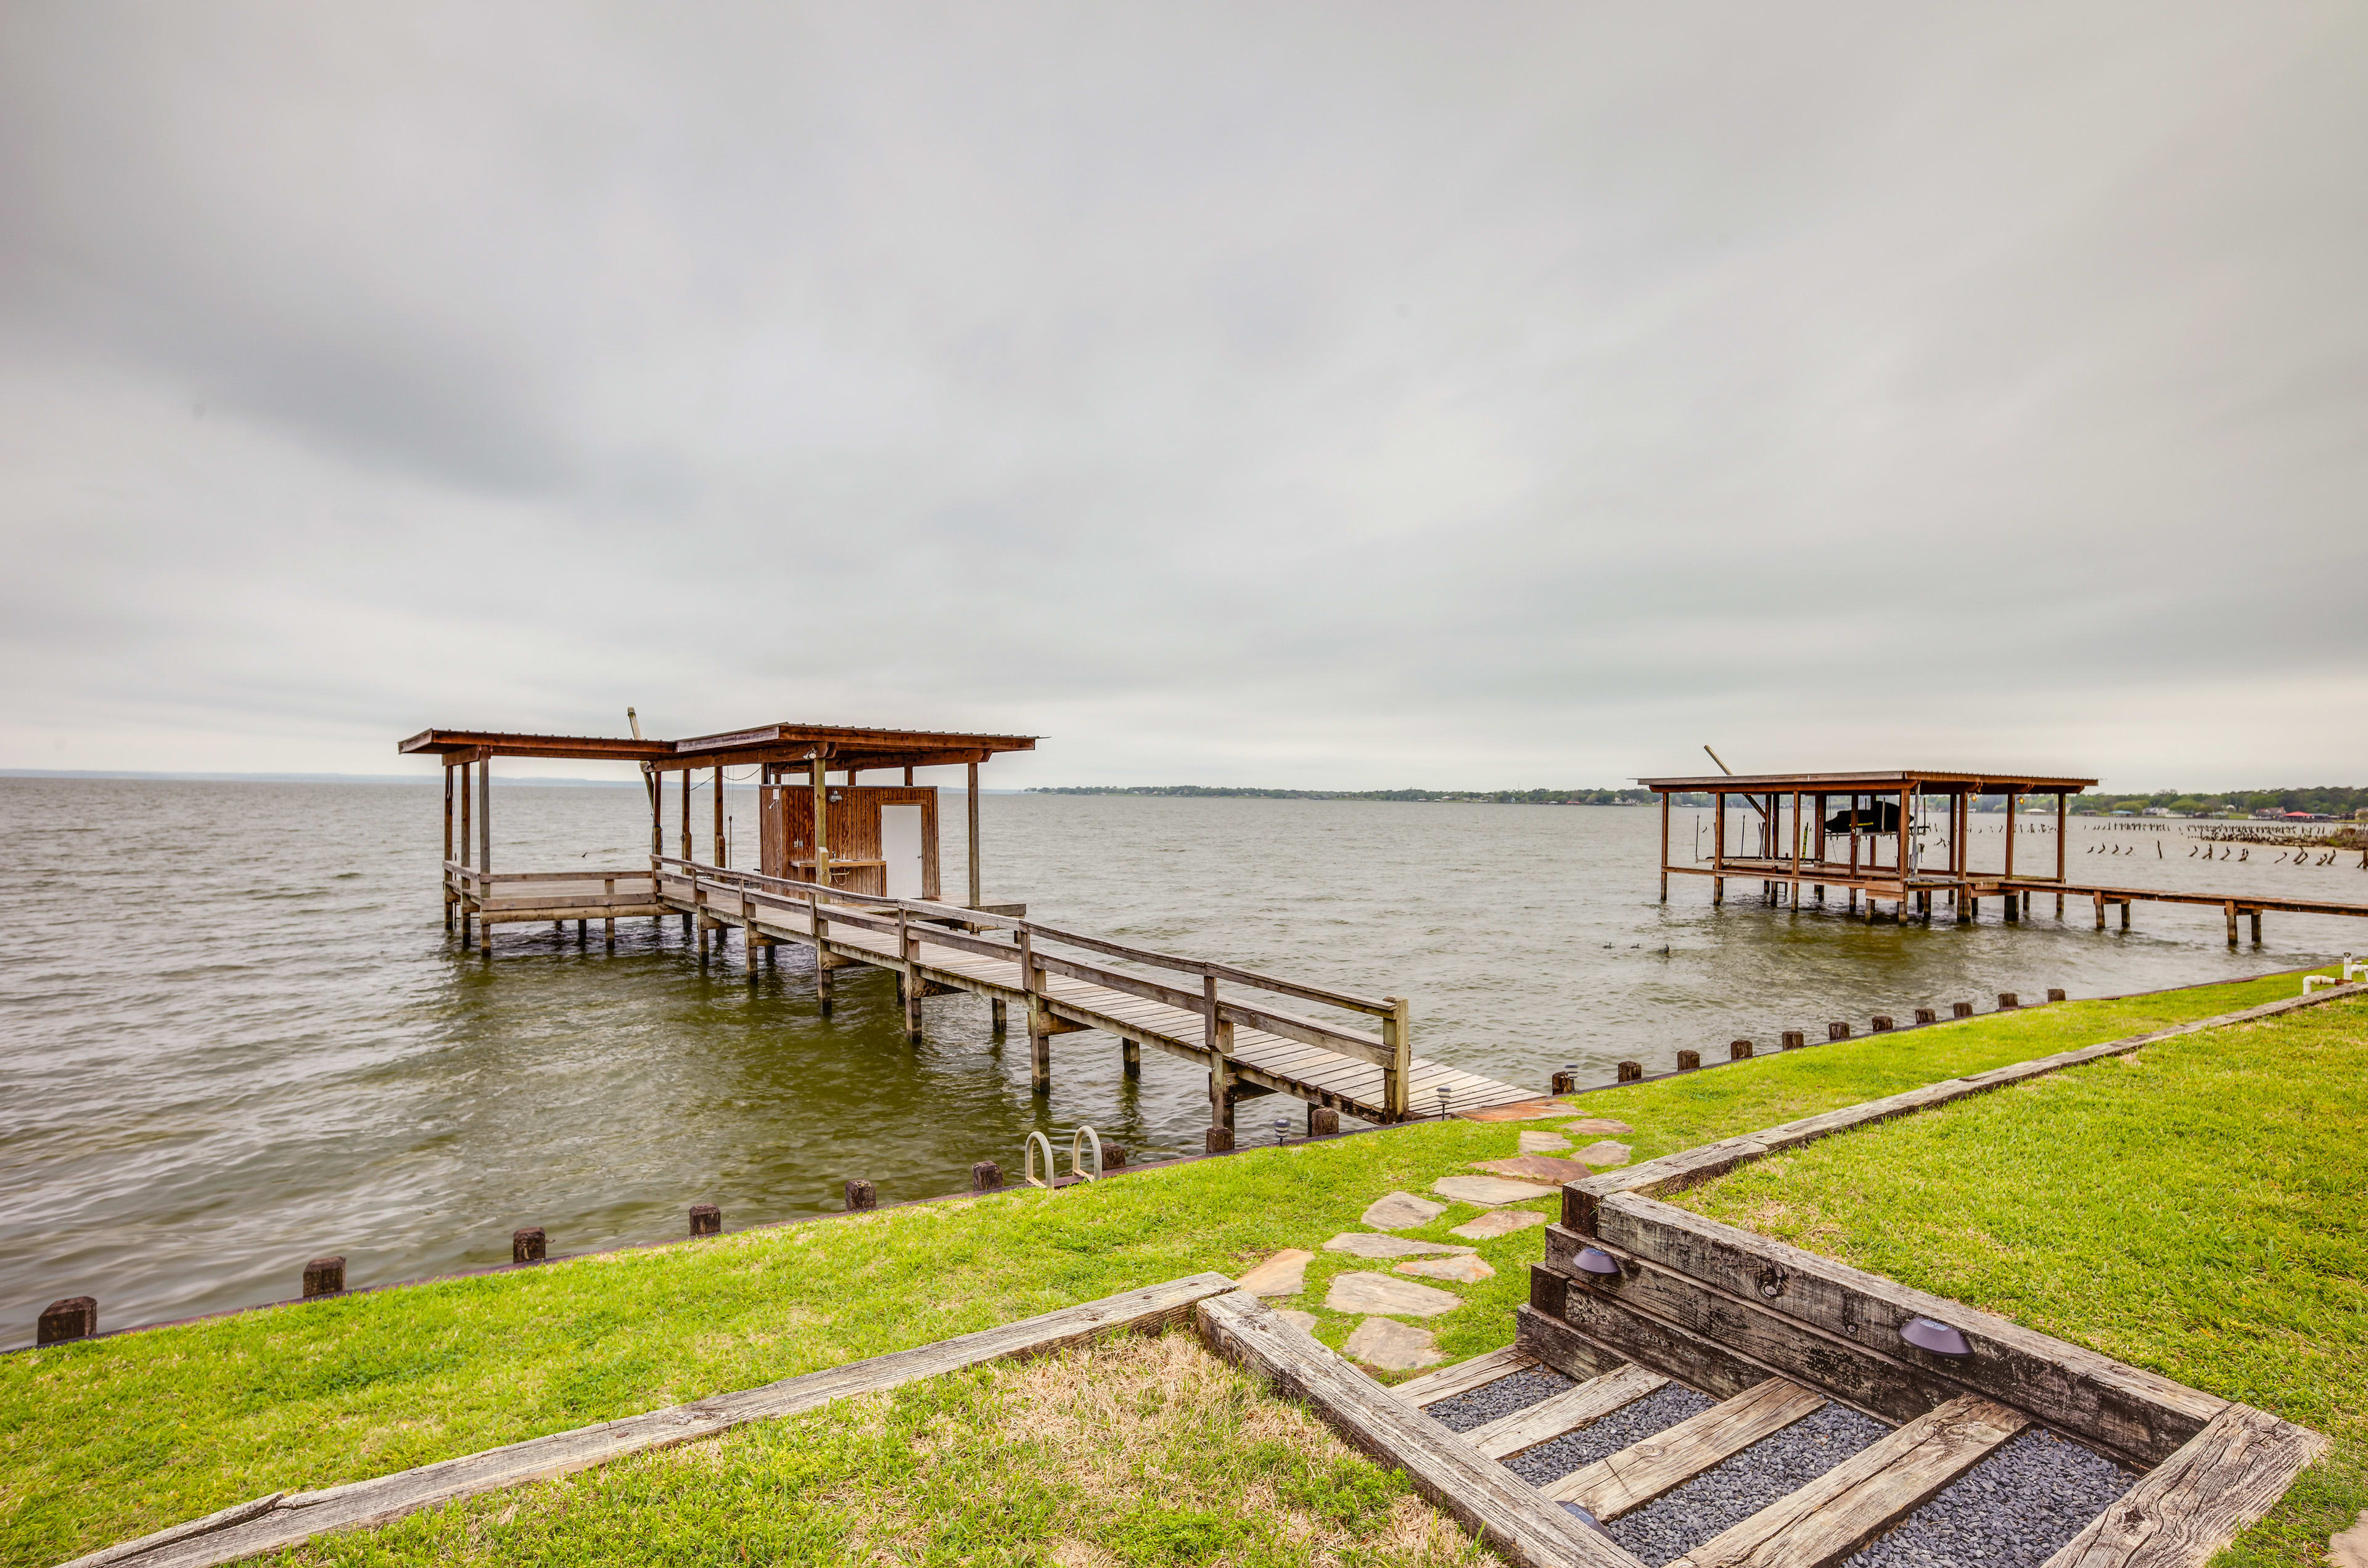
(900, 846)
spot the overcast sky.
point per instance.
(1301, 394)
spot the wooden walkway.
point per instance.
(1251, 1048)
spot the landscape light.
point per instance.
(1601, 1264)
(1442, 1102)
(1926, 1334)
(1282, 1130)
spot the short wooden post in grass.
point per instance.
(987, 1176)
(1113, 1157)
(1323, 1119)
(1565, 1080)
(526, 1245)
(325, 1277)
(1927, 1015)
(1631, 1072)
(706, 1219)
(1738, 1050)
(1836, 1031)
(1220, 1140)
(862, 1194)
(2056, 993)
(1961, 1009)
(1689, 1059)
(1880, 1023)
(77, 1317)
(2007, 1002)
(1792, 1039)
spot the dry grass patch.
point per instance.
(1135, 1451)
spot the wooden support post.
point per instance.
(1718, 889)
(77, 1317)
(443, 877)
(485, 846)
(819, 929)
(1039, 1023)
(821, 822)
(987, 1176)
(908, 953)
(2231, 909)
(2011, 799)
(860, 1195)
(1718, 846)
(1398, 1034)
(1796, 849)
(706, 1219)
(1130, 1057)
(998, 1016)
(2059, 848)
(974, 884)
(1664, 847)
(2100, 910)
(2257, 923)
(325, 1277)
(529, 1245)
(684, 838)
(722, 851)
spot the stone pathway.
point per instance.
(1498, 1223)
(1542, 1142)
(1402, 1211)
(1393, 1347)
(1537, 1167)
(1363, 1291)
(1487, 1191)
(1284, 1274)
(1304, 1322)
(1605, 1154)
(1599, 1127)
(1365, 1244)
(1456, 1270)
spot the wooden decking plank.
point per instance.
(1566, 1412)
(1488, 1499)
(1842, 1509)
(1464, 1377)
(2222, 1480)
(1620, 1482)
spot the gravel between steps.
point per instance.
(1516, 1390)
(1632, 1423)
(2012, 1510)
(1676, 1522)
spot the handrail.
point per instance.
(1290, 1026)
(475, 875)
(1346, 1001)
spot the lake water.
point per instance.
(234, 1035)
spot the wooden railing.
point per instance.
(1391, 1052)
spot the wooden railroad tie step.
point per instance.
(1464, 1377)
(1567, 1411)
(1628, 1480)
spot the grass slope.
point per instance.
(111, 1439)
(2194, 1208)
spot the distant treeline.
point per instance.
(2325, 799)
(1479, 796)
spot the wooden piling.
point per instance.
(1880, 1023)
(1961, 1009)
(862, 1194)
(1738, 1050)
(1129, 1055)
(976, 899)
(1689, 1059)
(325, 1277)
(996, 1015)
(77, 1317)
(2257, 923)
(706, 1219)
(2007, 1001)
(528, 1244)
(1220, 1140)
(987, 1176)
(1927, 1015)
(1792, 1040)
(2055, 993)
(1631, 1072)
(1836, 1031)
(1322, 1119)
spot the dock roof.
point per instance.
(1950, 781)
(840, 745)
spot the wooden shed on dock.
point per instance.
(816, 820)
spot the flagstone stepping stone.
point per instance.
(1542, 1142)
(1605, 1154)
(1536, 1167)
(1394, 1346)
(1363, 1290)
(1400, 1211)
(1498, 1223)
(1487, 1191)
(1456, 1270)
(1284, 1274)
(1304, 1322)
(1597, 1127)
(1365, 1244)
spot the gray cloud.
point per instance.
(1350, 394)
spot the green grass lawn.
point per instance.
(2194, 1208)
(111, 1439)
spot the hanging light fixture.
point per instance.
(1929, 1333)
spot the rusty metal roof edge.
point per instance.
(1737, 782)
